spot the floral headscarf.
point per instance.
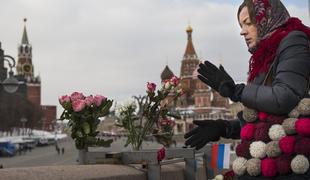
(273, 23)
(269, 16)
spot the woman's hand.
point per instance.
(206, 131)
(219, 80)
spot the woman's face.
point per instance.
(248, 29)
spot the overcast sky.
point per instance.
(114, 47)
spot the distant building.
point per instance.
(25, 73)
(199, 101)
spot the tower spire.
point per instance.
(24, 65)
(190, 52)
(25, 36)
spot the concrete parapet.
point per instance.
(94, 172)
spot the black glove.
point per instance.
(207, 130)
(219, 80)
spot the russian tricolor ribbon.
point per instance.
(220, 158)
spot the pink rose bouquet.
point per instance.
(83, 113)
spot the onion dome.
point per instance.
(189, 29)
(166, 74)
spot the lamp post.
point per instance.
(10, 84)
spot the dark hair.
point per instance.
(249, 4)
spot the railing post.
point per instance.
(154, 171)
(190, 168)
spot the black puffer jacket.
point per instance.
(290, 75)
(290, 78)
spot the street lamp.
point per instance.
(9, 84)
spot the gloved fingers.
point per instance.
(206, 81)
(192, 132)
(224, 71)
(210, 65)
(222, 68)
(191, 139)
(202, 144)
(207, 73)
(196, 141)
(207, 69)
(202, 70)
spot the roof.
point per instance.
(190, 50)
(25, 36)
(166, 74)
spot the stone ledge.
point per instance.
(92, 172)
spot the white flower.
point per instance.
(258, 149)
(276, 132)
(124, 106)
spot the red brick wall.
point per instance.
(48, 117)
(34, 94)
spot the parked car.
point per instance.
(7, 149)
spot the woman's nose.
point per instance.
(243, 32)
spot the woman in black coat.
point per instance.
(274, 127)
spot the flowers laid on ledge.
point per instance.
(83, 113)
(161, 154)
(151, 118)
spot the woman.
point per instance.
(273, 145)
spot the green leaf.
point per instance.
(105, 109)
(79, 134)
(102, 142)
(86, 128)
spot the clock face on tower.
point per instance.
(27, 68)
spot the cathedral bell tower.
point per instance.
(190, 62)
(24, 64)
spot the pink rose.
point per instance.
(76, 96)
(89, 100)
(98, 99)
(151, 87)
(64, 99)
(161, 154)
(78, 105)
(175, 80)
